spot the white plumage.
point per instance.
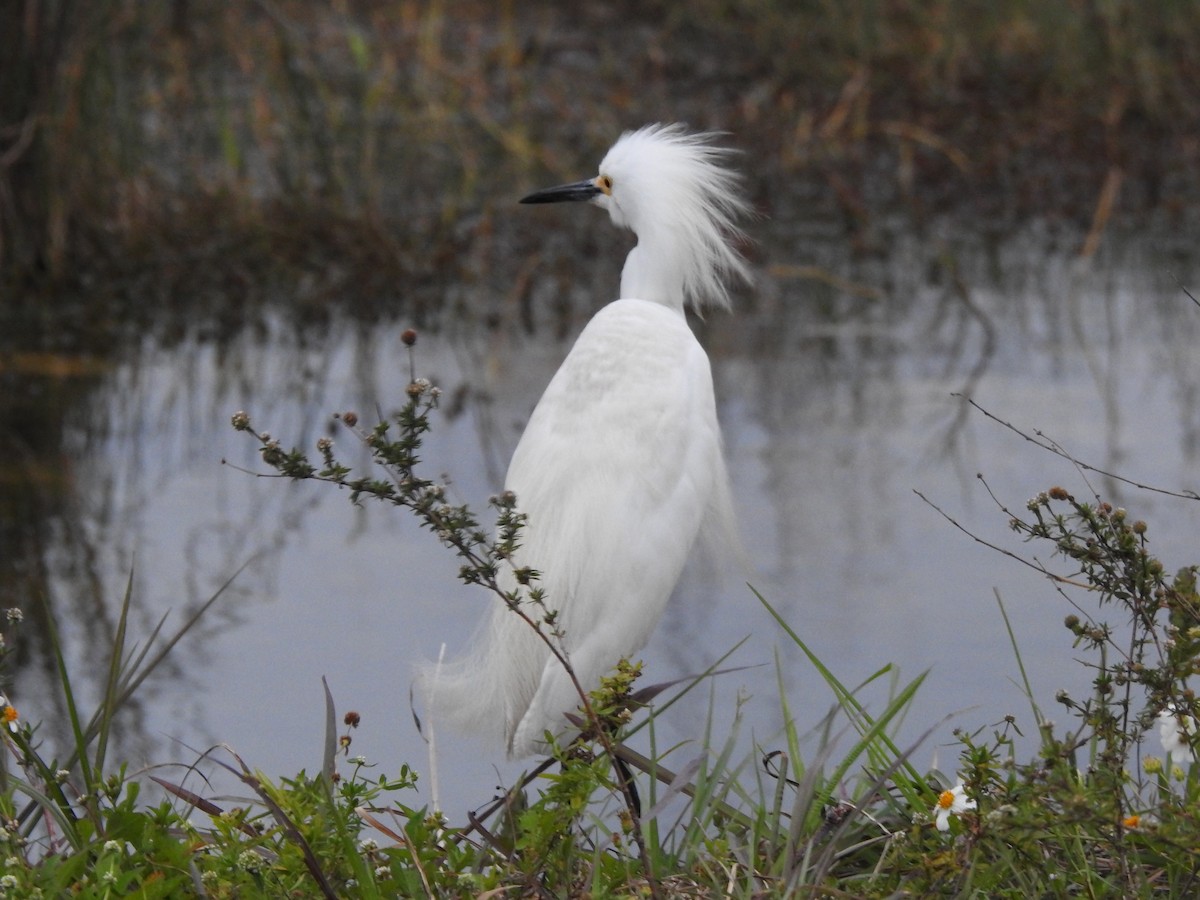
(620, 466)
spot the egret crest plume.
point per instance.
(674, 190)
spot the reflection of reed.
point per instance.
(959, 304)
(1180, 333)
(43, 539)
(119, 445)
(825, 359)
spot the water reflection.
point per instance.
(836, 383)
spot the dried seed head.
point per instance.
(409, 336)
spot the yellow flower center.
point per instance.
(9, 714)
(1131, 821)
(946, 799)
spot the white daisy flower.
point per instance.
(951, 803)
(1175, 732)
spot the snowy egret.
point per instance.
(620, 467)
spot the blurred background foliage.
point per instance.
(364, 142)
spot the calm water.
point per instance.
(835, 382)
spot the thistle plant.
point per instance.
(395, 445)
(1095, 806)
(1142, 669)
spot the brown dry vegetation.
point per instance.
(368, 144)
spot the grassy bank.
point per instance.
(1098, 810)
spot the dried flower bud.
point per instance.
(241, 420)
(409, 336)
(1057, 493)
(350, 418)
(352, 719)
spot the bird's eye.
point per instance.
(605, 184)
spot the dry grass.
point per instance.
(378, 135)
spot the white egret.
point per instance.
(620, 467)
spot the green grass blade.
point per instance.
(873, 738)
(1012, 640)
(329, 760)
(64, 677)
(108, 707)
(135, 678)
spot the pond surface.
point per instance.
(836, 381)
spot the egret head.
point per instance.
(675, 191)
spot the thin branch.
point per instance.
(1189, 294)
(478, 820)
(1035, 565)
(1040, 439)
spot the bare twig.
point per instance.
(1188, 293)
(1039, 439)
(1035, 565)
(490, 810)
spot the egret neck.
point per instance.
(653, 272)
